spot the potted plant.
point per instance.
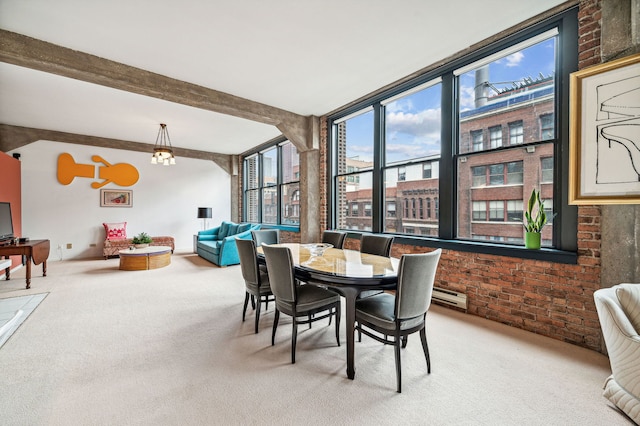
(142, 240)
(534, 219)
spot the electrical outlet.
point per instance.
(69, 245)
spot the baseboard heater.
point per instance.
(449, 297)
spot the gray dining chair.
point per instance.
(266, 236)
(301, 302)
(376, 244)
(379, 245)
(335, 238)
(397, 316)
(257, 286)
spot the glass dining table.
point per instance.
(348, 272)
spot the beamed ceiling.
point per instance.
(224, 76)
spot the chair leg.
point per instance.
(294, 339)
(425, 348)
(253, 302)
(309, 321)
(405, 340)
(337, 313)
(246, 302)
(398, 374)
(258, 314)
(276, 318)
(358, 325)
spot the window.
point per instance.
(353, 184)
(547, 130)
(479, 175)
(402, 173)
(391, 209)
(496, 211)
(476, 137)
(495, 136)
(546, 165)
(426, 171)
(271, 185)
(479, 210)
(514, 90)
(514, 172)
(514, 210)
(367, 210)
(496, 174)
(516, 133)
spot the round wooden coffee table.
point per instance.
(140, 259)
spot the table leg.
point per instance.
(350, 295)
(7, 271)
(29, 272)
(44, 268)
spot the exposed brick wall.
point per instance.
(589, 28)
(551, 299)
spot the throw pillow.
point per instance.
(629, 297)
(116, 231)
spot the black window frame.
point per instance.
(565, 228)
(258, 153)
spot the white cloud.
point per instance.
(514, 59)
(422, 123)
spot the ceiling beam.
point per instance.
(14, 137)
(21, 50)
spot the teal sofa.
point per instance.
(218, 245)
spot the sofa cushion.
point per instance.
(115, 231)
(210, 246)
(224, 230)
(206, 237)
(629, 298)
(243, 227)
(233, 229)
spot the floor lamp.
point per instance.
(204, 213)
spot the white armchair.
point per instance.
(619, 312)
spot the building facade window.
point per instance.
(547, 128)
(476, 137)
(495, 136)
(271, 183)
(516, 133)
(546, 165)
(426, 171)
(450, 108)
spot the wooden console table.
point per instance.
(36, 251)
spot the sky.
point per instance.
(413, 122)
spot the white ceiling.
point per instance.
(306, 57)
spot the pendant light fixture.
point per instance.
(163, 151)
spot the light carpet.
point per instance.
(14, 311)
(168, 347)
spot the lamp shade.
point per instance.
(204, 212)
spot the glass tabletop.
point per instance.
(342, 262)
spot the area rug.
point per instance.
(14, 311)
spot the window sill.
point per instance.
(519, 251)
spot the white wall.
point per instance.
(165, 199)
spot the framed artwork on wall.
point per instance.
(604, 134)
(116, 198)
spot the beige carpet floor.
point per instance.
(168, 347)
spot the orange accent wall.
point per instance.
(11, 191)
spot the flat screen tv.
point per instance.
(6, 223)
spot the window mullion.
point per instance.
(447, 181)
(378, 187)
